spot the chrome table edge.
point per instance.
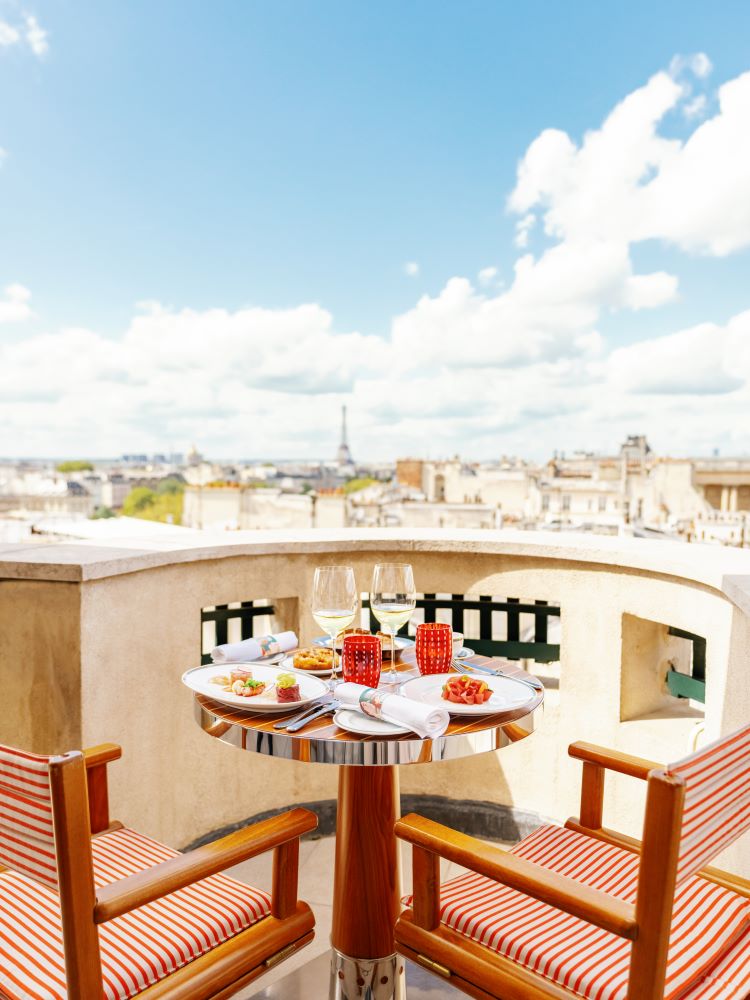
(510, 727)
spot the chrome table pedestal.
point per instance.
(366, 885)
(366, 979)
(311, 982)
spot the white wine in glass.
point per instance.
(392, 600)
(334, 605)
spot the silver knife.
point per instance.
(327, 709)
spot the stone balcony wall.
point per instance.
(93, 642)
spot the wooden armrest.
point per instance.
(96, 760)
(613, 760)
(564, 893)
(129, 893)
(104, 753)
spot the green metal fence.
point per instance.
(486, 642)
(692, 685)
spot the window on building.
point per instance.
(602, 503)
(566, 501)
(545, 501)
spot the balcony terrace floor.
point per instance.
(306, 974)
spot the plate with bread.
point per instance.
(402, 642)
(314, 660)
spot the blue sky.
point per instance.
(271, 155)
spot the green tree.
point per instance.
(101, 512)
(170, 485)
(138, 501)
(151, 506)
(75, 465)
(355, 485)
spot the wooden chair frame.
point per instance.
(81, 810)
(483, 973)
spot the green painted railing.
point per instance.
(245, 612)
(511, 646)
(692, 685)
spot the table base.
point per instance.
(376, 979)
(312, 982)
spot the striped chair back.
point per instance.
(717, 800)
(27, 835)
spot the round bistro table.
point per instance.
(366, 887)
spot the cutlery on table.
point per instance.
(328, 709)
(465, 668)
(307, 710)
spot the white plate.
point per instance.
(364, 725)
(402, 642)
(464, 653)
(287, 664)
(507, 694)
(199, 679)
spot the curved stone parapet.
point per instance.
(94, 639)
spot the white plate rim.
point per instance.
(396, 731)
(304, 673)
(454, 709)
(234, 701)
(464, 653)
(402, 641)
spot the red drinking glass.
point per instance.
(362, 658)
(434, 648)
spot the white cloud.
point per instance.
(626, 182)
(14, 304)
(8, 34)
(523, 229)
(696, 108)
(36, 36)
(28, 30)
(477, 367)
(698, 64)
(706, 359)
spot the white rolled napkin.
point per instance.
(254, 649)
(422, 719)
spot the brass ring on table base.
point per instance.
(466, 736)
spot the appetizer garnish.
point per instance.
(463, 690)
(287, 688)
(248, 688)
(221, 679)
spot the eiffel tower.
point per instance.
(343, 455)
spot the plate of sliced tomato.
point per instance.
(464, 694)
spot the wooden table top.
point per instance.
(323, 741)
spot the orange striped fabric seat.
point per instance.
(729, 978)
(27, 837)
(137, 948)
(717, 800)
(591, 962)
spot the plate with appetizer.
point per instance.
(402, 642)
(254, 687)
(461, 694)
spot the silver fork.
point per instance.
(469, 668)
(308, 710)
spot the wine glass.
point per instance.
(392, 600)
(334, 604)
